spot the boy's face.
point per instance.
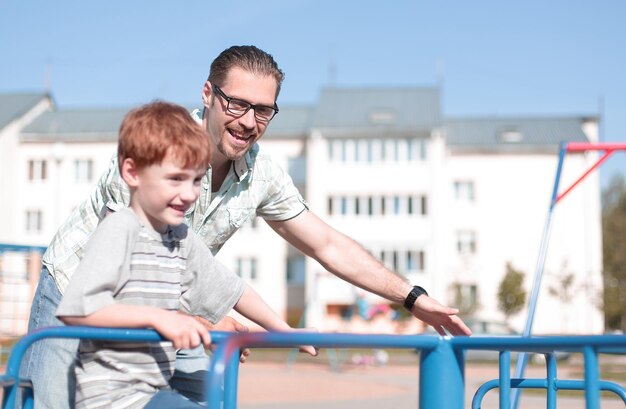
(162, 193)
(234, 135)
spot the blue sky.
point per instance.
(493, 57)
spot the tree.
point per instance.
(511, 293)
(614, 254)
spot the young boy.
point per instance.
(144, 268)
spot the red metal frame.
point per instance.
(608, 148)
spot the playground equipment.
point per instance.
(442, 362)
(565, 147)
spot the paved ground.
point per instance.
(306, 385)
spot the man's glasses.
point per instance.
(239, 107)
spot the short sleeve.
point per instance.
(282, 199)
(210, 290)
(103, 267)
(114, 190)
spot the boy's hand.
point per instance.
(227, 324)
(184, 331)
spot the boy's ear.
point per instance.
(130, 173)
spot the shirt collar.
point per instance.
(243, 166)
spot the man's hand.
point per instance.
(229, 324)
(440, 317)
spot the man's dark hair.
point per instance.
(246, 57)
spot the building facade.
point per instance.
(446, 202)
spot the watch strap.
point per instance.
(416, 291)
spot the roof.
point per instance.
(519, 134)
(290, 121)
(14, 106)
(87, 125)
(406, 108)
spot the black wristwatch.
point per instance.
(416, 291)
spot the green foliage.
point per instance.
(511, 293)
(614, 254)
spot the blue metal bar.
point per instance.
(559, 384)
(551, 381)
(442, 378)
(522, 359)
(279, 339)
(18, 248)
(437, 353)
(231, 381)
(505, 379)
(482, 390)
(441, 369)
(592, 373)
(11, 392)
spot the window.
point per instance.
(466, 298)
(411, 155)
(296, 167)
(414, 201)
(337, 150)
(466, 242)
(464, 191)
(33, 221)
(37, 170)
(344, 206)
(247, 268)
(422, 149)
(83, 170)
(415, 261)
(510, 136)
(403, 261)
(396, 205)
(296, 270)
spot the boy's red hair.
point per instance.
(150, 132)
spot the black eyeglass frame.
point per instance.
(245, 103)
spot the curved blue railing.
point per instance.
(442, 362)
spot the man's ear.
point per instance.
(130, 173)
(207, 91)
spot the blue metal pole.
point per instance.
(231, 380)
(551, 380)
(442, 377)
(522, 358)
(592, 375)
(505, 379)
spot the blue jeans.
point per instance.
(171, 400)
(49, 363)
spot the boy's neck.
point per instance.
(160, 228)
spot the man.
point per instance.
(239, 101)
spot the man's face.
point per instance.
(233, 135)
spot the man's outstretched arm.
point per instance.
(349, 261)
